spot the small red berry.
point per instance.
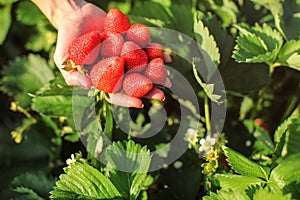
(112, 46)
(137, 85)
(116, 22)
(154, 50)
(135, 58)
(106, 75)
(156, 71)
(139, 34)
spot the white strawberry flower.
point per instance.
(206, 143)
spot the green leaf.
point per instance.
(258, 44)
(54, 99)
(205, 40)
(246, 105)
(227, 194)
(5, 17)
(275, 6)
(134, 161)
(6, 2)
(287, 171)
(155, 13)
(243, 165)
(289, 54)
(291, 19)
(26, 193)
(226, 10)
(237, 182)
(209, 89)
(29, 14)
(55, 106)
(264, 193)
(244, 78)
(37, 182)
(82, 181)
(287, 137)
(183, 17)
(25, 76)
(261, 135)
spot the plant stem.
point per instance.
(207, 114)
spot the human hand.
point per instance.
(87, 18)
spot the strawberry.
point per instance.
(107, 73)
(80, 50)
(135, 58)
(156, 71)
(112, 46)
(154, 50)
(137, 85)
(139, 34)
(116, 22)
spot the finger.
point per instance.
(167, 58)
(156, 94)
(124, 100)
(75, 78)
(167, 83)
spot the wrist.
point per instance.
(57, 10)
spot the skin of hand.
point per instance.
(73, 19)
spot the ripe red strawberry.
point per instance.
(116, 22)
(139, 34)
(135, 58)
(154, 50)
(80, 50)
(156, 71)
(137, 85)
(107, 73)
(112, 46)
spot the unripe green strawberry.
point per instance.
(116, 22)
(112, 46)
(154, 50)
(139, 34)
(106, 75)
(156, 71)
(137, 85)
(135, 58)
(80, 50)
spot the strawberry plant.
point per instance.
(212, 95)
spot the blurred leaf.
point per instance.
(246, 105)
(205, 40)
(275, 6)
(225, 9)
(243, 165)
(155, 11)
(54, 106)
(227, 194)
(43, 39)
(291, 19)
(287, 137)
(287, 171)
(54, 99)
(224, 40)
(289, 54)
(82, 181)
(183, 17)
(5, 17)
(26, 193)
(258, 44)
(37, 182)
(260, 134)
(209, 89)
(29, 14)
(264, 193)
(245, 78)
(128, 164)
(5, 2)
(25, 76)
(237, 182)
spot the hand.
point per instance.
(73, 18)
(84, 18)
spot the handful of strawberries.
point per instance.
(121, 59)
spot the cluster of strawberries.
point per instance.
(128, 61)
